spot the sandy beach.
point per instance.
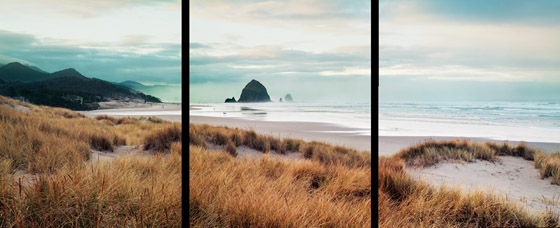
(307, 131)
(165, 111)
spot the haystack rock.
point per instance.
(288, 98)
(230, 100)
(254, 92)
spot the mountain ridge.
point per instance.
(65, 88)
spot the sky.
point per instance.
(478, 50)
(316, 50)
(114, 40)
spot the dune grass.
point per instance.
(203, 135)
(431, 152)
(225, 191)
(47, 179)
(161, 140)
(330, 188)
(405, 202)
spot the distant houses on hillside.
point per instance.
(73, 98)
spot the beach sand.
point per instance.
(513, 177)
(307, 131)
(135, 109)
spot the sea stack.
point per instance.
(230, 100)
(254, 91)
(288, 98)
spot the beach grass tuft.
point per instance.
(162, 139)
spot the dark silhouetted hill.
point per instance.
(66, 88)
(70, 72)
(254, 91)
(15, 71)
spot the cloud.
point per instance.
(198, 45)
(425, 40)
(105, 61)
(479, 11)
(312, 15)
(271, 61)
(83, 9)
(313, 49)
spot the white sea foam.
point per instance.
(519, 121)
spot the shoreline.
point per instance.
(307, 131)
(166, 111)
(389, 145)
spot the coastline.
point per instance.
(167, 111)
(307, 131)
(389, 145)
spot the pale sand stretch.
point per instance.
(307, 131)
(514, 177)
(120, 109)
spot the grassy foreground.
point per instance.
(330, 187)
(405, 202)
(48, 180)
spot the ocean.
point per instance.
(354, 116)
(524, 121)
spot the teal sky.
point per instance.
(316, 50)
(437, 50)
(114, 40)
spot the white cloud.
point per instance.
(348, 71)
(416, 43)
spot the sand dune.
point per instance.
(515, 178)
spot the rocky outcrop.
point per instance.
(254, 91)
(230, 100)
(288, 98)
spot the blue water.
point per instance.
(524, 114)
(351, 115)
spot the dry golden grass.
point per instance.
(128, 192)
(201, 135)
(46, 181)
(405, 202)
(225, 191)
(431, 152)
(43, 139)
(331, 188)
(161, 140)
